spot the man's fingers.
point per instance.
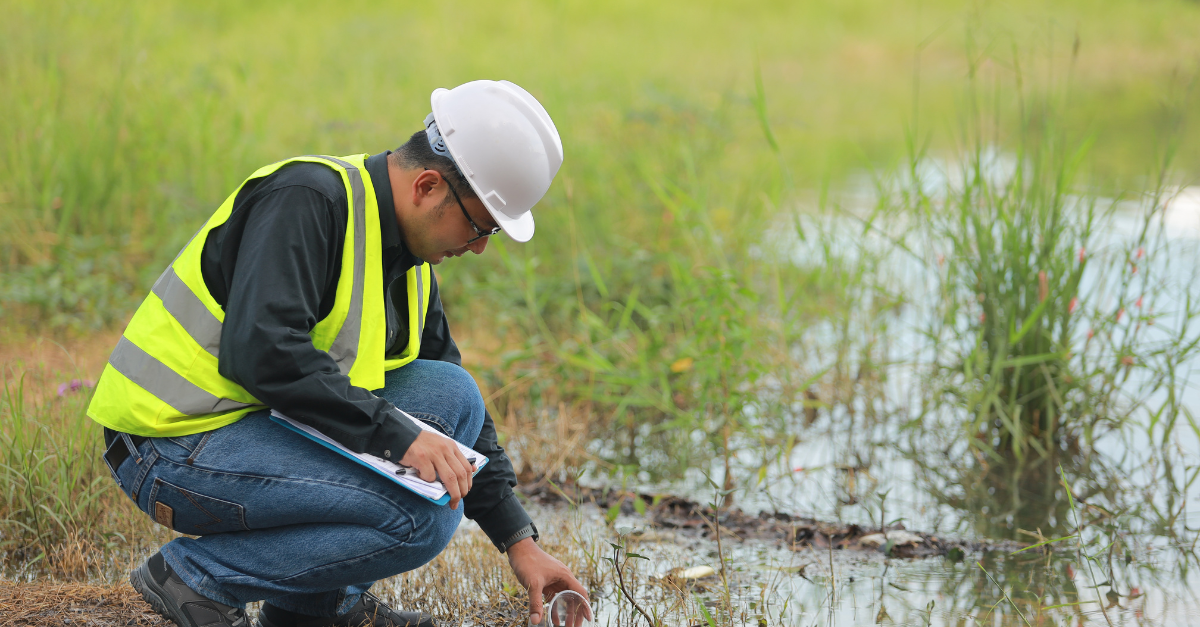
(437, 458)
(462, 469)
(419, 457)
(426, 471)
(465, 472)
(450, 480)
(574, 584)
(535, 602)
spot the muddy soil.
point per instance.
(779, 528)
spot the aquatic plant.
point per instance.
(1042, 334)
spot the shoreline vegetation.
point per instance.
(921, 231)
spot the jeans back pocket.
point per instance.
(127, 465)
(193, 513)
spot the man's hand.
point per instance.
(436, 457)
(541, 575)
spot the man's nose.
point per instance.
(478, 245)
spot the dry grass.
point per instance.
(73, 605)
(469, 583)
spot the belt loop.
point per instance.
(133, 450)
(196, 451)
(144, 470)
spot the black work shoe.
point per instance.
(175, 601)
(368, 612)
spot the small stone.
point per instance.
(904, 538)
(697, 572)
(896, 537)
(873, 540)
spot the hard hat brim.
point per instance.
(519, 228)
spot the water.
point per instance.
(859, 464)
(842, 588)
(848, 467)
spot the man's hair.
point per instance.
(416, 153)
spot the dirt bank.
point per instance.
(782, 529)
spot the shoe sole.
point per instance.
(141, 581)
(263, 622)
(425, 621)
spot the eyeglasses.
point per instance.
(479, 233)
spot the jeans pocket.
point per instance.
(113, 456)
(183, 449)
(127, 465)
(193, 513)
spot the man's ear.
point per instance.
(423, 188)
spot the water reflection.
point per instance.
(992, 589)
(1006, 498)
(881, 454)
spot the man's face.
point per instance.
(441, 229)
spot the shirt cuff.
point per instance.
(503, 520)
(393, 437)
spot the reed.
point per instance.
(1041, 326)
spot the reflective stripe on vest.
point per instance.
(169, 386)
(345, 346)
(420, 284)
(157, 362)
(420, 305)
(182, 303)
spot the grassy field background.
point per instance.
(125, 125)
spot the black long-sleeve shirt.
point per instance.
(273, 266)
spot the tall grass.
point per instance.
(666, 343)
(59, 509)
(126, 125)
(1042, 326)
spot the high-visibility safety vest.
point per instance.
(162, 379)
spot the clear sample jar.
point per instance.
(567, 609)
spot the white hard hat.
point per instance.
(505, 145)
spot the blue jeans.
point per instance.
(283, 519)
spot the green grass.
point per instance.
(60, 511)
(126, 125)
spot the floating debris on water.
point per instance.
(697, 572)
(672, 519)
(898, 538)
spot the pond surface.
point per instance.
(847, 467)
(843, 588)
(850, 466)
